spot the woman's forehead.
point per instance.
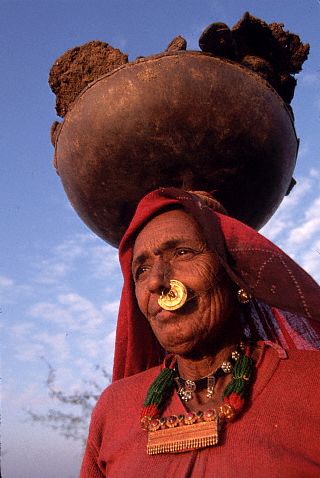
(173, 226)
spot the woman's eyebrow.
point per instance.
(139, 259)
(170, 244)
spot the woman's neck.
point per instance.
(193, 368)
(210, 356)
(196, 366)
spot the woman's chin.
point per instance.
(180, 347)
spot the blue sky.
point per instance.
(60, 284)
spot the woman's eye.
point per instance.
(140, 271)
(183, 252)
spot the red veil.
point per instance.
(252, 262)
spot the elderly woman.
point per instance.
(216, 367)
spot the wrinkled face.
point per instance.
(171, 246)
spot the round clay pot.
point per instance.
(184, 119)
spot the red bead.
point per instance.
(209, 415)
(154, 425)
(172, 421)
(145, 422)
(226, 411)
(235, 401)
(190, 418)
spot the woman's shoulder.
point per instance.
(128, 389)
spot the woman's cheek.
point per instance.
(142, 297)
(200, 274)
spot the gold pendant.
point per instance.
(183, 438)
(175, 297)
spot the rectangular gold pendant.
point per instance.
(183, 438)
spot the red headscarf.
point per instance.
(252, 262)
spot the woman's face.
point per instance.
(171, 246)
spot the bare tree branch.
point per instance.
(70, 424)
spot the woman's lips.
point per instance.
(158, 313)
(164, 315)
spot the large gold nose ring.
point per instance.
(175, 297)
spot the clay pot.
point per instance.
(184, 119)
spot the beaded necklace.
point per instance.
(191, 431)
(187, 387)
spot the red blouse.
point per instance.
(278, 436)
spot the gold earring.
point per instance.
(243, 296)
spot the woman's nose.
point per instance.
(159, 277)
